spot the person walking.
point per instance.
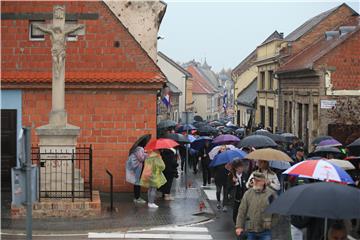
(239, 178)
(252, 220)
(169, 157)
(205, 161)
(221, 179)
(153, 177)
(272, 180)
(134, 167)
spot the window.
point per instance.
(271, 117)
(271, 80)
(36, 35)
(262, 115)
(286, 114)
(71, 37)
(262, 80)
(300, 120)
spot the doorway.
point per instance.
(8, 146)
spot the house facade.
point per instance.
(178, 79)
(320, 86)
(267, 62)
(111, 83)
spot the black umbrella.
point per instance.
(141, 142)
(288, 137)
(276, 138)
(324, 151)
(257, 141)
(186, 127)
(207, 130)
(216, 124)
(179, 138)
(321, 200)
(199, 124)
(166, 124)
(198, 118)
(355, 143)
(317, 140)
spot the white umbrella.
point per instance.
(346, 165)
(216, 150)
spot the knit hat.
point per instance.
(259, 176)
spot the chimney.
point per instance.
(346, 29)
(329, 35)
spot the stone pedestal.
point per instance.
(57, 147)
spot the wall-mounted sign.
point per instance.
(327, 104)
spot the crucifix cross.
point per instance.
(58, 32)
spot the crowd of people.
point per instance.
(248, 186)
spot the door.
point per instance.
(8, 147)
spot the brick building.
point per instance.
(111, 83)
(320, 85)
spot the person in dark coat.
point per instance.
(239, 179)
(205, 161)
(314, 226)
(169, 157)
(221, 179)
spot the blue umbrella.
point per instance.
(186, 127)
(227, 157)
(280, 165)
(199, 143)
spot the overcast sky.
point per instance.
(226, 32)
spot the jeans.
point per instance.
(265, 235)
(151, 194)
(137, 189)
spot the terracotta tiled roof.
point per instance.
(306, 58)
(84, 77)
(200, 85)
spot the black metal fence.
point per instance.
(64, 173)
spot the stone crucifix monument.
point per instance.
(58, 136)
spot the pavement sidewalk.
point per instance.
(183, 210)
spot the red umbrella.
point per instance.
(161, 143)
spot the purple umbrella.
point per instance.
(329, 143)
(226, 138)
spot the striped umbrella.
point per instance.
(320, 170)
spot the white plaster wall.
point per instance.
(201, 104)
(142, 19)
(176, 77)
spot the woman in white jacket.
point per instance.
(272, 180)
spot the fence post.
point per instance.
(72, 175)
(111, 189)
(90, 177)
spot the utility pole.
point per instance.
(28, 163)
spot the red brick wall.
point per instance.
(94, 51)
(345, 58)
(333, 20)
(109, 120)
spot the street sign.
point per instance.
(327, 104)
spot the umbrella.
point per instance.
(327, 150)
(288, 137)
(216, 150)
(320, 170)
(199, 124)
(269, 154)
(355, 143)
(227, 157)
(276, 138)
(198, 118)
(191, 138)
(186, 127)
(257, 141)
(161, 143)
(329, 143)
(317, 140)
(312, 200)
(341, 163)
(216, 124)
(207, 130)
(177, 138)
(199, 143)
(141, 142)
(279, 165)
(166, 124)
(225, 138)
